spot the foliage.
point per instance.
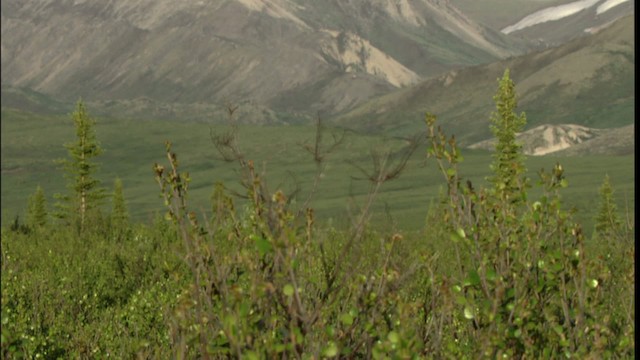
(607, 222)
(37, 210)
(119, 212)
(508, 164)
(525, 287)
(64, 299)
(85, 189)
(497, 273)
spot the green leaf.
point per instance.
(473, 278)
(250, 355)
(331, 350)
(263, 245)
(558, 329)
(244, 309)
(330, 331)
(491, 274)
(469, 313)
(346, 319)
(288, 290)
(393, 337)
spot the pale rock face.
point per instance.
(354, 52)
(547, 139)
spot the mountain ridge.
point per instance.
(194, 51)
(588, 81)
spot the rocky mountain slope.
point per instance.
(288, 56)
(617, 141)
(588, 81)
(571, 140)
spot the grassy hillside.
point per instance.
(588, 81)
(31, 142)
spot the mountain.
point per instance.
(588, 81)
(556, 24)
(272, 56)
(549, 22)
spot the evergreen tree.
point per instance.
(607, 219)
(85, 191)
(119, 213)
(37, 209)
(508, 163)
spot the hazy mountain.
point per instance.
(294, 56)
(546, 22)
(556, 24)
(588, 81)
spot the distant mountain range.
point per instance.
(284, 55)
(282, 60)
(374, 65)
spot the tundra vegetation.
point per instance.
(497, 273)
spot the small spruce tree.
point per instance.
(86, 193)
(37, 209)
(607, 219)
(508, 164)
(119, 213)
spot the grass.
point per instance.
(30, 143)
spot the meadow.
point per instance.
(31, 143)
(393, 255)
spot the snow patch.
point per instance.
(596, 29)
(402, 10)
(274, 8)
(551, 14)
(608, 5)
